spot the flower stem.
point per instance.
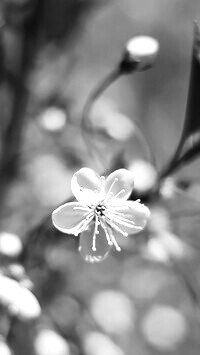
(86, 128)
(93, 97)
(96, 93)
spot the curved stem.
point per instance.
(95, 94)
(114, 75)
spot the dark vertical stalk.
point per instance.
(191, 126)
(12, 139)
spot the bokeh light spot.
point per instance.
(113, 311)
(164, 327)
(48, 342)
(98, 344)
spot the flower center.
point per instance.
(100, 210)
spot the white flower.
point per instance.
(101, 212)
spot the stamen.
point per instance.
(107, 233)
(120, 217)
(109, 193)
(119, 193)
(126, 222)
(84, 224)
(91, 214)
(117, 247)
(95, 234)
(111, 186)
(113, 210)
(113, 225)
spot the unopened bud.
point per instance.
(140, 54)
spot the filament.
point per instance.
(111, 186)
(114, 226)
(117, 247)
(117, 194)
(83, 225)
(106, 233)
(95, 234)
(122, 220)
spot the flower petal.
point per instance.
(86, 243)
(119, 185)
(70, 218)
(85, 185)
(131, 217)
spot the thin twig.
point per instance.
(95, 94)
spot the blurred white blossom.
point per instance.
(96, 343)
(145, 175)
(10, 244)
(52, 119)
(107, 119)
(49, 342)
(113, 311)
(19, 301)
(164, 327)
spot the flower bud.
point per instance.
(140, 54)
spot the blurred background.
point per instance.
(139, 301)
